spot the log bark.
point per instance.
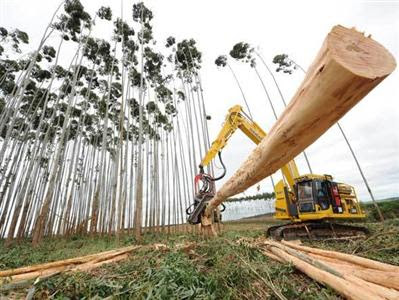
(361, 261)
(347, 67)
(65, 262)
(336, 272)
(382, 278)
(90, 266)
(70, 267)
(342, 286)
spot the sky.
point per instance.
(296, 28)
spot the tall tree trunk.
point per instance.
(138, 215)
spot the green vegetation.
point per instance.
(382, 243)
(389, 208)
(220, 268)
(189, 267)
(55, 249)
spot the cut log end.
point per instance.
(359, 54)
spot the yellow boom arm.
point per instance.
(236, 118)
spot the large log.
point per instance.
(382, 278)
(347, 67)
(339, 274)
(348, 289)
(353, 259)
(388, 279)
(66, 262)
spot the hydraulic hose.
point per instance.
(224, 168)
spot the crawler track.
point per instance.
(314, 231)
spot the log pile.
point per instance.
(351, 276)
(83, 263)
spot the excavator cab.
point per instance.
(313, 194)
(315, 201)
(320, 195)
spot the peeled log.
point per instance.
(348, 289)
(344, 257)
(67, 262)
(347, 67)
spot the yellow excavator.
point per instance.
(310, 202)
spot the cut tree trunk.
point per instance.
(361, 261)
(347, 67)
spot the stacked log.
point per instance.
(351, 276)
(83, 263)
(348, 66)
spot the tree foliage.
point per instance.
(284, 64)
(72, 123)
(243, 52)
(105, 13)
(221, 61)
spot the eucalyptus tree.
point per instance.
(57, 110)
(286, 64)
(143, 16)
(188, 64)
(33, 97)
(69, 133)
(72, 23)
(124, 33)
(36, 106)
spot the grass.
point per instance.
(22, 254)
(219, 268)
(214, 269)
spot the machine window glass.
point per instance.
(305, 191)
(322, 195)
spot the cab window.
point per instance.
(322, 195)
(305, 191)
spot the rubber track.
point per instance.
(298, 230)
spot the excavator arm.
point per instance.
(229, 127)
(235, 119)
